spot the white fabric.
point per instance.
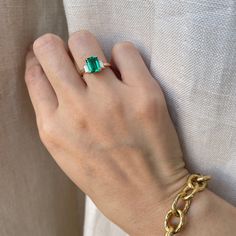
(190, 48)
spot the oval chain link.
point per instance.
(178, 214)
(195, 183)
(176, 201)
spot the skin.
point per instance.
(111, 133)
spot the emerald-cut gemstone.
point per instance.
(93, 65)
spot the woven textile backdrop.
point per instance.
(190, 48)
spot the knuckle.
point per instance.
(112, 108)
(33, 72)
(79, 35)
(113, 104)
(47, 41)
(78, 116)
(46, 132)
(147, 107)
(81, 123)
(124, 46)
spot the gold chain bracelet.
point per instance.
(195, 183)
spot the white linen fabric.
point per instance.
(190, 48)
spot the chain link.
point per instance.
(195, 183)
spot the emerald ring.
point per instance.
(93, 65)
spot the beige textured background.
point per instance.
(36, 198)
(189, 47)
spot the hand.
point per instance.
(110, 132)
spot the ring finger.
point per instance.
(83, 44)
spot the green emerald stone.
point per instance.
(93, 64)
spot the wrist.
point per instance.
(206, 214)
(152, 222)
(209, 215)
(199, 213)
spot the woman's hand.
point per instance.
(111, 133)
